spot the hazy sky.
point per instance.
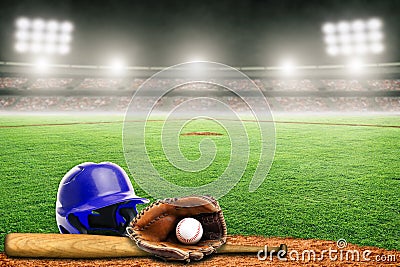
(239, 33)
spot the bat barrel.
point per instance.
(69, 246)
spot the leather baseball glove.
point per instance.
(153, 229)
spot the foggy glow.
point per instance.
(41, 65)
(117, 66)
(196, 59)
(355, 65)
(354, 37)
(39, 36)
(288, 66)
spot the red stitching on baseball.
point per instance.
(186, 239)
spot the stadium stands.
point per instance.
(301, 95)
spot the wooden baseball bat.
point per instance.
(80, 246)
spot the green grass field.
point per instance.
(326, 181)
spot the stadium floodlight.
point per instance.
(361, 49)
(63, 49)
(117, 66)
(356, 37)
(343, 27)
(38, 25)
(36, 48)
(50, 48)
(288, 67)
(355, 66)
(41, 65)
(67, 27)
(332, 50)
(22, 35)
(21, 47)
(23, 23)
(376, 48)
(39, 36)
(328, 28)
(331, 39)
(51, 38)
(358, 25)
(52, 26)
(374, 24)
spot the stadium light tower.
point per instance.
(41, 37)
(350, 38)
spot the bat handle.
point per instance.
(70, 246)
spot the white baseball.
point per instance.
(189, 231)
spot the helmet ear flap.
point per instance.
(74, 221)
(128, 214)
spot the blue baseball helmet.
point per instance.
(96, 199)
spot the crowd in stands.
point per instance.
(134, 83)
(305, 103)
(12, 82)
(52, 83)
(92, 83)
(343, 85)
(291, 85)
(302, 104)
(121, 103)
(388, 103)
(391, 85)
